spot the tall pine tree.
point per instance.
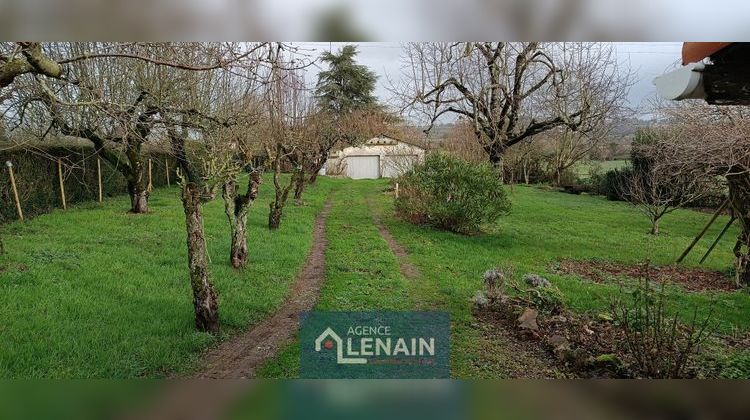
(345, 96)
(346, 86)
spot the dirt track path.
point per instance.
(241, 356)
(408, 270)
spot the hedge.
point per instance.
(36, 177)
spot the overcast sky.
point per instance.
(645, 59)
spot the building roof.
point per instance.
(384, 139)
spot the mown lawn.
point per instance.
(583, 169)
(362, 274)
(94, 292)
(541, 228)
(545, 226)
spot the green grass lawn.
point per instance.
(544, 226)
(361, 271)
(96, 292)
(541, 228)
(583, 169)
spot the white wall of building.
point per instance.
(379, 157)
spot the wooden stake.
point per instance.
(150, 185)
(62, 185)
(15, 190)
(713, 245)
(166, 163)
(703, 231)
(99, 176)
(397, 190)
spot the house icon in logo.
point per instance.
(340, 359)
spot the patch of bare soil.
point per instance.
(409, 270)
(512, 355)
(569, 343)
(691, 279)
(241, 356)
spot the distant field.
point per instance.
(583, 169)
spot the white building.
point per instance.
(379, 157)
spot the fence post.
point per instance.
(166, 163)
(62, 185)
(397, 190)
(99, 176)
(9, 164)
(150, 185)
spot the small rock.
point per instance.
(558, 319)
(480, 299)
(558, 340)
(527, 320)
(535, 280)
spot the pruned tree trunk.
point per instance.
(274, 216)
(739, 196)
(299, 185)
(236, 208)
(205, 300)
(282, 192)
(317, 167)
(238, 252)
(138, 197)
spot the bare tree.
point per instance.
(287, 106)
(461, 141)
(109, 94)
(524, 161)
(19, 58)
(715, 141)
(653, 187)
(509, 91)
(244, 146)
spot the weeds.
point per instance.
(659, 344)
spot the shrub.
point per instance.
(452, 194)
(611, 183)
(660, 345)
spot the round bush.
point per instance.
(451, 193)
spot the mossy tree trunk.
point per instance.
(282, 191)
(205, 300)
(236, 207)
(299, 185)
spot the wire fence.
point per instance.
(37, 175)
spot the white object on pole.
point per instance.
(9, 164)
(683, 83)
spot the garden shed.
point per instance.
(379, 157)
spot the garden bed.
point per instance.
(580, 346)
(691, 279)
